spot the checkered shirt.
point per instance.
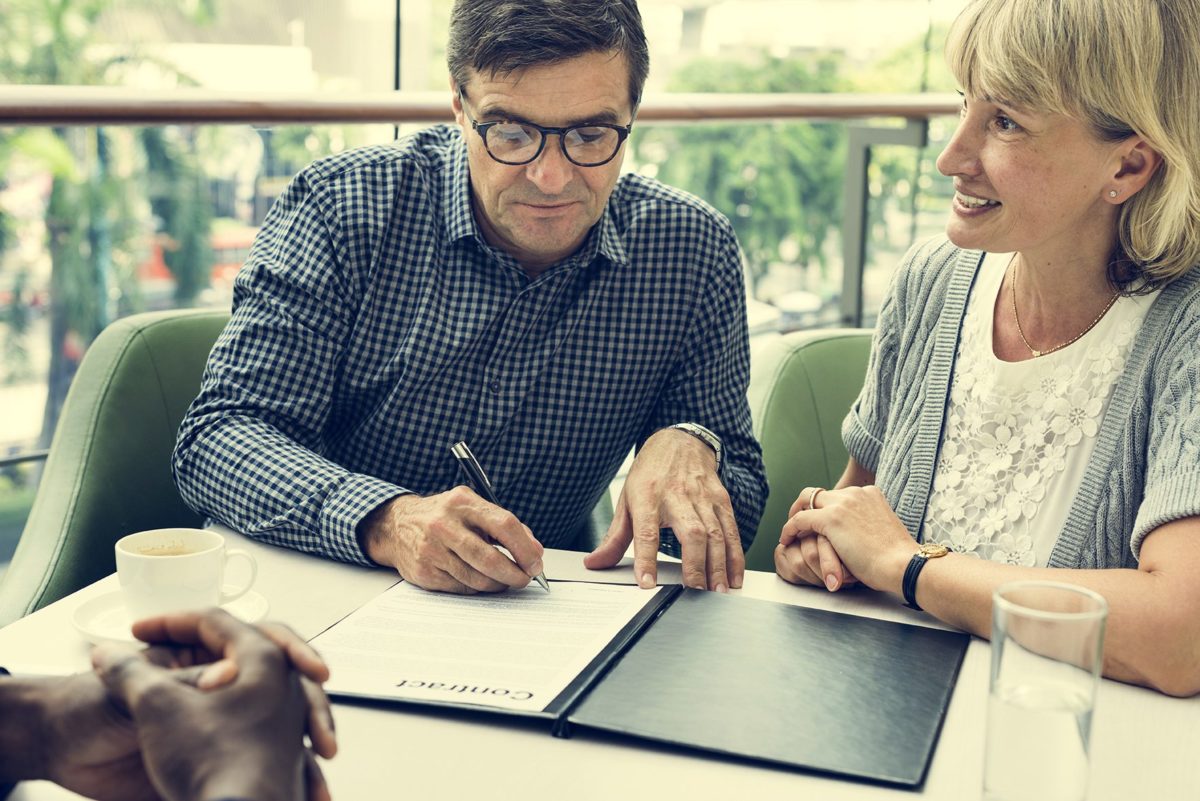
(373, 327)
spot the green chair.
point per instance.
(109, 469)
(801, 387)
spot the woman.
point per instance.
(1031, 401)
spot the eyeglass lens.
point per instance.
(515, 142)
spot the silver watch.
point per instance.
(704, 435)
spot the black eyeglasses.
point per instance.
(514, 143)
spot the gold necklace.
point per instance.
(1036, 353)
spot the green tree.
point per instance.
(14, 314)
(779, 184)
(178, 194)
(901, 177)
(92, 217)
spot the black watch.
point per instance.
(927, 551)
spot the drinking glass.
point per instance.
(1047, 642)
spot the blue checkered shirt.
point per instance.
(373, 327)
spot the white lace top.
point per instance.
(1018, 435)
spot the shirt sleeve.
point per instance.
(248, 451)
(709, 384)
(1172, 488)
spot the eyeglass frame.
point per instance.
(481, 128)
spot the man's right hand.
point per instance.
(445, 542)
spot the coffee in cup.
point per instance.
(164, 550)
(176, 569)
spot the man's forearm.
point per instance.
(280, 491)
(710, 386)
(745, 481)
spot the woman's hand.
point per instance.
(862, 535)
(810, 558)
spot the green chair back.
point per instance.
(801, 387)
(109, 469)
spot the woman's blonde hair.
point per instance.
(1121, 67)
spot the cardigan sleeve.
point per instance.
(1172, 470)
(865, 426)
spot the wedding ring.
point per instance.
(812, 499)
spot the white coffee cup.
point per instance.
(174, 569)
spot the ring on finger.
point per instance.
(812, 499)
(806, 498)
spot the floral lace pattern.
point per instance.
(1011, 429)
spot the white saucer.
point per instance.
(104, 620)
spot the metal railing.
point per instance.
(87, 105)
(20, 457)
(97, 105)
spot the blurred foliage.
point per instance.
(96, 216)
(18, 485)
(16, 316)
(780, 184)
(901, 178)
(907, 69)
(293, 147)
(178, 193)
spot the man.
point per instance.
(216, 710)
(492, 282)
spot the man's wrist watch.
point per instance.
(927, 551)
(704, 435)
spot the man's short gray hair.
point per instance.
(499, 37)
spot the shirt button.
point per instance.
(494, 387)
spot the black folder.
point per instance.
(768, 682)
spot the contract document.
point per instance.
(518, 651)
(701, 670)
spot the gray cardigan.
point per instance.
(1145, 470)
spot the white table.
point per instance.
(1144, 745)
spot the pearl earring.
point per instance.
(1113, 193)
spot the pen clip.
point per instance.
(474, 471)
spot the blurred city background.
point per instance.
(101, 222)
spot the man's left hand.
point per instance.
(243, 739)
(88, 744)
(673, 484)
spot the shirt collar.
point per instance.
(460, 221)
(611, 246)
(460, 217)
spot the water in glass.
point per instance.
(1037, 743)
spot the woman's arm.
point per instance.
(1153, 634)
(855, 475)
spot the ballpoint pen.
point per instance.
(474, 472)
